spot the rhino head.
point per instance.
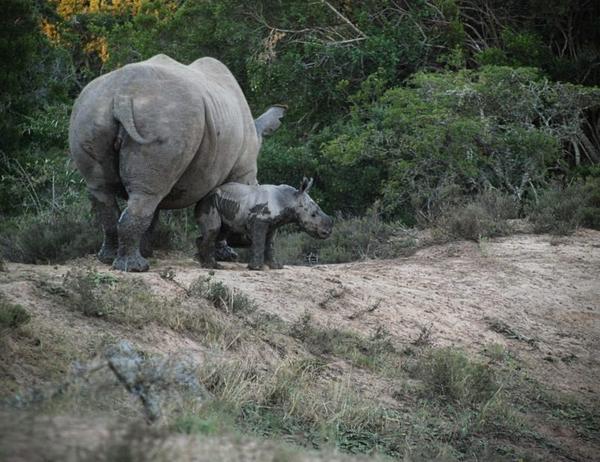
(311, 218)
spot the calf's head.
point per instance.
(310, 216)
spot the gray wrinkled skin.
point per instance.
(161, 135)
(256, 211)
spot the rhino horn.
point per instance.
(270, 121)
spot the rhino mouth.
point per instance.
(324, 233)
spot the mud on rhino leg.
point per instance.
(270, 259)
(107, 213)
(259, 230)
(146, 243)
(134, 222)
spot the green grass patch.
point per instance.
(12, 316)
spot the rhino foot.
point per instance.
(146, 249)
(274, 265)
(255, 267)
(226, 253)
(107, 254)
(133, 263)
(208, 262)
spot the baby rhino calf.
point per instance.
(256, 212)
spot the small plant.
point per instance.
(12, 316)
(375, 352)
(221, 296)
(450, 376)
(83, 285)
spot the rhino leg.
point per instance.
(270, 259)
(259, 230)
(146, 242)
(134, 222)
(107, 213)
(209, 222)
(224, 252)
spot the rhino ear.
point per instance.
(270, 120)
(306, 185)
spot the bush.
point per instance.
(221, 296)
(50, 237)
(12, 316)
(561, 210)
(448, 136)
(485, 216)
(448, 375)
(352, 239)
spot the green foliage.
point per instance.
(352, 239)
(450, 376)
(484, 216)
(12, 316)
(50, 237)
(561, 210)
(222, 296)
(455, 134)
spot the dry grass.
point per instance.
(131, 303)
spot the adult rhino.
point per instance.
(161, 135)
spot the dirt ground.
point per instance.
(537, 295)
(543, 292)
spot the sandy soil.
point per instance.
(543, 290)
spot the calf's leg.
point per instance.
(270, 259)
(209, 223)
(258, 231)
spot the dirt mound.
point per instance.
(536, 296)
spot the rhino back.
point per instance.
(240, 204)
(230, 145)
(201, 105)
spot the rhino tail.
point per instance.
(123, 112)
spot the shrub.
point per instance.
(561, 210)
(50, 237)
(352, 239)
(376, 352)
(222, 296)
(12, 316)
(485, 216)
(448, 136)
(448, 375)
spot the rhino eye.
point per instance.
(313, 214)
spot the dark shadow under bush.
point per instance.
(50, 238)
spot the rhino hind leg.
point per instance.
(107, 213)
(134, 222)
(146, 243)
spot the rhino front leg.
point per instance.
(209, 222)
(107, 213)
(134, 222)
(259, 230)
(270, 259)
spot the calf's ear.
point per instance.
(306, 185)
